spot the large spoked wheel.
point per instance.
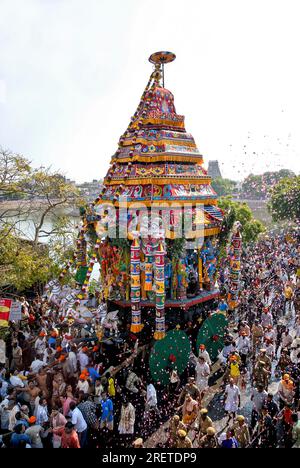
(170, 353)
(211, 334)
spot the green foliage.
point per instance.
(41, 193)
(238, 211)
(121, 243)
(21, 181)
(254, 188)
(94, 286)
(43, 184)
(91, 232)
(82, 210)
(251, 230)
(62, 241)
(22, 265)
(258, 187)
(223, 187)
(13, 170)
(285, 199)
(4, 333)
(175, 247)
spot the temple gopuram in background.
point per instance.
(154, 226)
(213, 169)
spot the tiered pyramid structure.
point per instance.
(157, 160)
(157, 167)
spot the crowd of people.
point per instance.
(259, 361)
(61, 387)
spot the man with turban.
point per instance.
(286, 391)
(183, 441)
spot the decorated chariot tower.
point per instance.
(155, 223)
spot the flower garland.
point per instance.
(93, 259)
(75, 254)
(160, 331)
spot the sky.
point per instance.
(72, 73)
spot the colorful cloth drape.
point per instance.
(135, 293)
(160, 292)
(148, 273)
(235, 269)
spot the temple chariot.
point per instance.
(154, 226)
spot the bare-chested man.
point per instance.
(33, 391)
(41, 378)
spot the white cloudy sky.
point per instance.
(72, 72)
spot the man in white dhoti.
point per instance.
(232, 399)
(202, 375)
(203, 353)
(127, 420)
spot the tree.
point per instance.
(23, 265)
(33, 194)
(258, 187)
(30, 194)
(49, 192)
(223, 187)
(285, 200)
(62, 241)
(14, 169)
(283, 173)
(239, 211)
(252, 187)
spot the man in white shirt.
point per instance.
(83, 358)
(12, 416)
(203, 353)
(49, 355)
(286, 391)
(83, 384)
(270, 348)
(297, 327)
(79, 424)
(73, 360)
(36, 365)
(295, 353)
(232, 399)
(266, 318)
(202, 375)
(5, 409)
(65, 344)
(151, 399)
(41, 413)
(243, 346)
(286, 339)
(270, 334)
(259, 398)
(284, 277)
(3, 388)
(40, 344)
(226, 351)
(16, 381)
